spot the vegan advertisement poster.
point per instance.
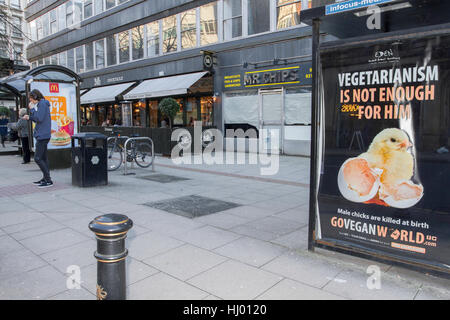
(384, 182)
(63, 110)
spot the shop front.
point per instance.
(133, 107)
(274, 101)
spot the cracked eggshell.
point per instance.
(401, 203)
(352, 195)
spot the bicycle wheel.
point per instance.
(144, 156)
(114, 156)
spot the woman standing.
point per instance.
(22, 129)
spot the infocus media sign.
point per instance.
(352, 5)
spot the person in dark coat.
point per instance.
(3, 129)
(22, 129)
(40, 114)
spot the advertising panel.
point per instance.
(384, 182)
(63, 110)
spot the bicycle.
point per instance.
(139, 151)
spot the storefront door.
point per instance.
(271, 120)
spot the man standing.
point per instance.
(22, 129)
(3, 129)
(42, 134)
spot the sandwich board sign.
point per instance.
(63, 110)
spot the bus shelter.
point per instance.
(61, 87)
(380, 157)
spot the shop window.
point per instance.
(99, 54)
(241, 108)
(153, 113)
(69, 13)
(188, 29)
(110, 4)
(79, 57)
(53, 22)
(101, 116)
(83, 115)
(87, 9)
(153, 39)
(124, 46)
(63, 59)
(62, 16)
(98, 6)
(258, 16)
(207, 109)
(71, 59)
(297, 106)
(90, 115)
(208, 24)
(170, 34)
(139, 114)
(137, 37)
(89, 47)
(191, 111)
(232, 22)
(111, 52)
(178, 119)
(288, 13)
(117, 115)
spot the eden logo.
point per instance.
(54, 87)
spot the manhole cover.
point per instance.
(192, 206)
(162, 178)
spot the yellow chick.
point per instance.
(389, 151)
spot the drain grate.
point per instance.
(192, 206)
(163, 178)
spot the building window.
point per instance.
(124, 46)
(170, 34)
(15, 3)
(137, 38)
(33, 30)
(16, 27)
(258, 16)
(18, 51)
(208, 24)
(54, 59)
(232, 19)
(78, 11)
(288, 13)
(188, 29)
(110, 4)
(45, 25)
(89, 52)
(87, 9)
(53, 22)
(62, 17)
(121, 1)
(111, 50)
(71, 59)
(79, 56)
(98, 6)
(63, 59)
(69, 13)
(153, 39)
(47, 60)
(99, 54)
(39, 28)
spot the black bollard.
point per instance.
(111, 231)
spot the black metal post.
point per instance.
(314, 126)
(111, 231)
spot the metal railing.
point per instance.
(125, 149)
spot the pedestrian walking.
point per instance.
(3, 129)
(40, 114)
(22, 129)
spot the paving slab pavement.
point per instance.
(257, 250)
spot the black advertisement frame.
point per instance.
(316, 153)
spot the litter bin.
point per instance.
(89, 159)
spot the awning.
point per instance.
(105, 94)
(163, 87)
